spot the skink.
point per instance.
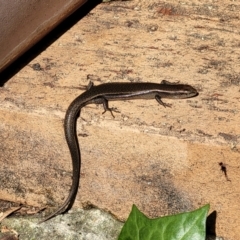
(101, 94)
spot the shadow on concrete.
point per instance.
(211, 224)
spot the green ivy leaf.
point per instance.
(183, 226)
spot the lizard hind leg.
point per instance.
(107, 108)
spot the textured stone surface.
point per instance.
(80, 225)
(165, 160)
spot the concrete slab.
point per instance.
(164, 160)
